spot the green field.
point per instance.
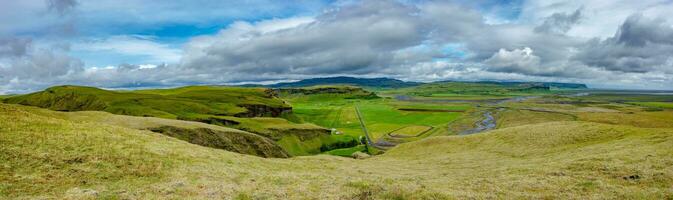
(381, 115)
(383, 118)
(410, 131)
(667, 105)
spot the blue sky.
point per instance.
(106, 43)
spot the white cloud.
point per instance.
(355, 39)
(602, 17)
(575, 41)
(132, 45)
(516, 60)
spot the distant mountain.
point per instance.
(553, 85)
(344, 80)
(394, 83)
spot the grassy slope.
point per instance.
(195, 103)
(44, 156)
(165, 103)
(512, 117)
(194, 132)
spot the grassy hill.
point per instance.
(255, 110)
(46, 156)
(166, 103)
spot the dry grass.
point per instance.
(515, 117)
(50, 157)
(660, 119)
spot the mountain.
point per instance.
(394, 83)
(553, 85)
(345, 80)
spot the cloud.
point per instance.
(559, 23)
(123, 46)
(62, 7)
(355, 39)
(13, 47)
(269, 41)
(517, 60)
(640, 45)
(27, 66)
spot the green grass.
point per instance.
(5, 96)
(381, 115)
(413, 130)
(55, 158)
(381, 118)
(165, 103)
(431, 106)
(513, 117)
(194, 132)
(209, 104)
(667, 105)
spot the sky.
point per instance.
(620, 44)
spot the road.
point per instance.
(364, 129)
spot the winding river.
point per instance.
(488, 121)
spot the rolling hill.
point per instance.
(254, 110)
(166, 103)
(45, 156)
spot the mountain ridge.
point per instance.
(384, 82)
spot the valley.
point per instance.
(416, 141)
(336, 100)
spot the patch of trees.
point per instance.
(339, 145)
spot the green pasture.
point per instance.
(381, 115)
(667, 105)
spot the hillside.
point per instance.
(49, 157)
(344, 80)
(255, 110)
(165, 103)
(207, 135)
